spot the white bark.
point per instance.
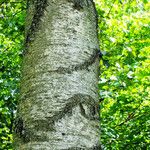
(58, 108)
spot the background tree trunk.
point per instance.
(58, 107)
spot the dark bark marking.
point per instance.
(18, 126)
(96, 13)
(45, 125)
(82, 110)
(74, 101)
(93, 114)
(79, 4)
(21, 131)
(84, 65)
(63, 134)
(97, 147)
(26, 134)
(40, 6)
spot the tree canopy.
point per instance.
(124, 92)
(124, 35)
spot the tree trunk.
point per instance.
(58, 107)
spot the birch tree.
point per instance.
(58, 106)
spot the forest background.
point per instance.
(124, 35)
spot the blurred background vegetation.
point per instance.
(124, 35)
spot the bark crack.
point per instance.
(80, 4)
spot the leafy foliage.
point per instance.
(11, 39)
(124, 84)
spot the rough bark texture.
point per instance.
(58, 107)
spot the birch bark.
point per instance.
(58, 107)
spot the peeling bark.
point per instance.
(58, 107)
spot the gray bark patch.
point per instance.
(82, 66)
